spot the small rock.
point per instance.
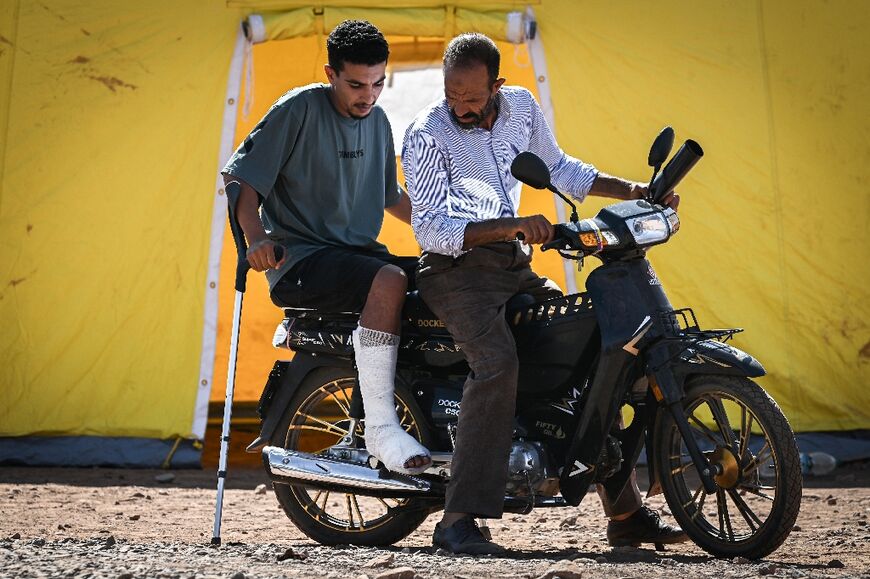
(260, 490)
(138, 496)
(15, 536)
(398, 573)
(406, 550)
(382, 562)
(238, 575)
(165, 477)
(832, 501)
(134, 517)
(110, 541)
(563, 570)
(39, 542)
(835, 564)
(769, 569)
(568, 521)
(125, 576)
(542, 520)
(741, 560)
(291, 554)
(601, 559)
(668, 562)
(797, 528)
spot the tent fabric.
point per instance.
(110, 125)
(111, 150)
(392, 21)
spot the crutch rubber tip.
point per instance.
(216, 541)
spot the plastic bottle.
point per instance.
(812, 464)
(817, 463)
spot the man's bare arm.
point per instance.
(261, 252)
(535, 229)
(615, 188)
(402, 209)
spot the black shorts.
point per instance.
(335, 279)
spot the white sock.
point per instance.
(376, 353)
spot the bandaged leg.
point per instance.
(376, 354)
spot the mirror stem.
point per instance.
(649, 191)
(574, 217)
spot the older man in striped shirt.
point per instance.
(456, 157)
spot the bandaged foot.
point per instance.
(376, 353)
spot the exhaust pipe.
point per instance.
(302, 468)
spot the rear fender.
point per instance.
(284, 380)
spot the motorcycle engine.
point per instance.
(529, 470)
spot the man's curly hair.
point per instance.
(357, 42)
(472, 48)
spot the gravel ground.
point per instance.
(141, 523)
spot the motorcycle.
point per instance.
(706, 426)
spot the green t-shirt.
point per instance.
(324, 178)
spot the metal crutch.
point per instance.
(233, 190)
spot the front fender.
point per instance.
(284, 380)
(712, 357)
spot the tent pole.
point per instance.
(539, 65)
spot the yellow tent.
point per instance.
(115, 118)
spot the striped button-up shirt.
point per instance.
(457, 176)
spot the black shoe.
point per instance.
(643, 526)
(464, 536)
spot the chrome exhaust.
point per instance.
(302, 468)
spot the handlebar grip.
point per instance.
(521, 236)
(677, 168)
(555, 244)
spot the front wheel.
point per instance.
(742, 432)
(317, 418)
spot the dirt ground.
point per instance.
(125, 523)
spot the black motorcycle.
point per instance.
(706, 427)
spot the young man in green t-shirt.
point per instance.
(323, 166)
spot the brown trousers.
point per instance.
(469, 294)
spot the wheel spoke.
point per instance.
(349, 511)
(724, 519)
(746, 419)
(314, 428)
(745, 511)
(756, 490)
(346, 406)
(323, 506)
(362, 523)
(764, 454)
(329, 425)
(721, 418)
(700, 492)
(703, 430)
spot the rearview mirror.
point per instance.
(661, 148)
(531, 170)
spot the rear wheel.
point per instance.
(317, 418)
(742, 432)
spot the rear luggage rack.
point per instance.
(683, 324)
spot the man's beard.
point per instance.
(473, 120)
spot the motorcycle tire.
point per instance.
(316, 419)
(742, 431)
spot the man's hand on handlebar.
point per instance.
(535, 229)
(639, 191)
(262, 255)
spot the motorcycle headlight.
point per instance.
(649, 229)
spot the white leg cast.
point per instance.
(376, 354)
